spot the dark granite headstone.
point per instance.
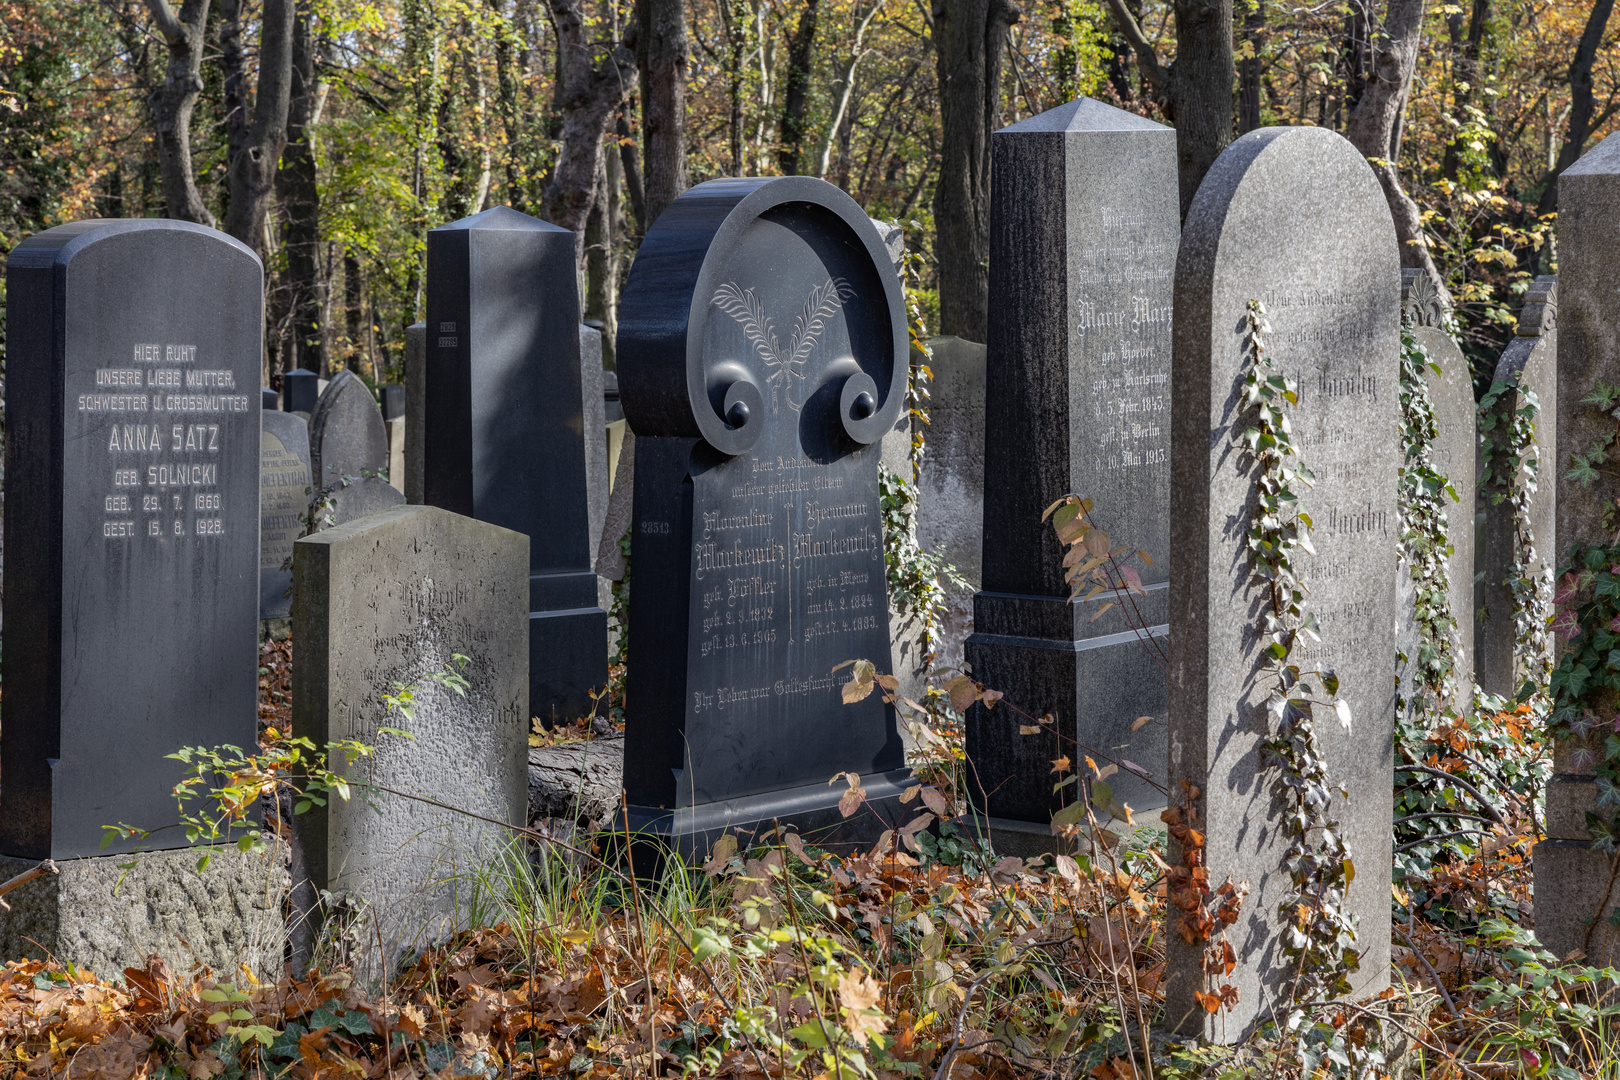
(504, 430)
(1294, 218)
(268, 398)
(415, 409)
(1084, 222)
(348, 453)
(611, 409)
(284, 491)
(393, 402)
(131, 526)
(300, 389)
(761, 358)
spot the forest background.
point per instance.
(330, 135)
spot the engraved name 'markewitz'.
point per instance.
(757, 493)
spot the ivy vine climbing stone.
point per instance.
(1261, 685)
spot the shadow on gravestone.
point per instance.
(1083, 234)
(131, 531)
(1452, 455)
(392, 599)
(762, 357)
(504, 434)
(1295, 218)
(1575, 892)
(348, 452)
(284, 493)
(1529, 366)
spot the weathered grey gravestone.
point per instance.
(1572, 880)
(284, 491)
(504, 429)
(950, 494)
(1452, 454)
(1083, 230)
(597, 481)
(392, 599)
(348, 452)
(132, 524)
(1295, 218)
(415, 409)
(762, 358)
(1529, 366)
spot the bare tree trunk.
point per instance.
(511, 111)
(1195, 91)
(844, 87)
(1249, 70)
(661, 53)
(173, 103)
(1376, 118)
(796, 95)
(1465, 66)
(970, 37)
(588, 95)
(354, 310)
(300, 199)
(1582, 104)
(255, 151)
(734, 19)
(630, 158)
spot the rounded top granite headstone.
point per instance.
(1296, 219)
(347, 436)
(742, 285)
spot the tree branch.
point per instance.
(1147, 61)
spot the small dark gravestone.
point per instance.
(1294, 218)
(1574, 882)
(761, 357)
(505, 434)
(1452, 454)
(300, 389)
(284, 489)
(1529, 369)
(131, 540)
(1083, 230)
(348, 450)
(393, 599)
(268, 398)
(393, 402)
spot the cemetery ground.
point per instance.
(928, 955)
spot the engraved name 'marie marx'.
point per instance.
(784, 367)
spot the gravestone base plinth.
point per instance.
(98, 915)
(1574, 887)
(812, 810)
(1035, 651)
(563, 645)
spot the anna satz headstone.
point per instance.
(1294, 218)
(1083, 233)
(504, 430)
(762, 357)
(132, 558)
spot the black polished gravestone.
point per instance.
(504, 437)
(300, 388)
(132, 523)
(761, 357)
(1084, 228)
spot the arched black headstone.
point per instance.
(132, 523)
(761, 356)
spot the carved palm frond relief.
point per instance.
(784, 371)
